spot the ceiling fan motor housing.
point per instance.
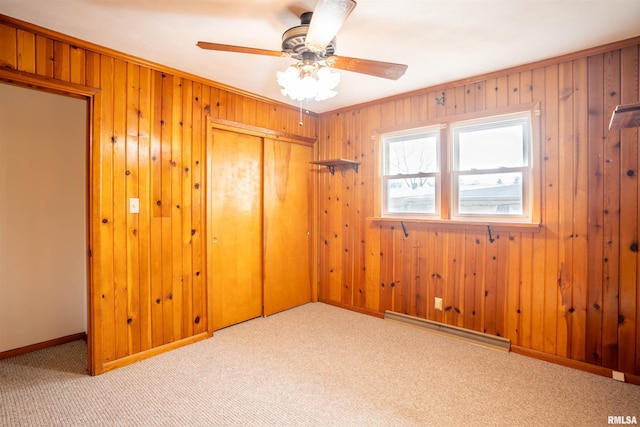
(293, 40)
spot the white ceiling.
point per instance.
(440, 40)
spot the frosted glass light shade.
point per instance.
(318, 85)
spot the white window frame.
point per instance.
(493, 122)
(446, 212)
(436, 175)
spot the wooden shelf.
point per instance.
(333, 163)
(625, 116)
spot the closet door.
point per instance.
(235, 227)
(288, 196)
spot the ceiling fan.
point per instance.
(313, 45)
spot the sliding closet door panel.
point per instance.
(287, 225)
(235, 227)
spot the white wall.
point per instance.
(43, 247)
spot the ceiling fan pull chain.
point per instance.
(300, 123)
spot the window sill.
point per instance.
(448, 224)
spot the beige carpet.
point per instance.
(314, 365)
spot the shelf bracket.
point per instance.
(331, 164)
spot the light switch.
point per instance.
(134, 205)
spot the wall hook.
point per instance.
(441, 100)
(404, 230)
(491, 239)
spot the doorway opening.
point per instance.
(44, 231)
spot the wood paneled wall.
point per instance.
(148, 140)
(570, 290)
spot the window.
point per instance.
(472, 170)
(490, 173)
(411, 172)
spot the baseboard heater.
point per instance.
(474, 337)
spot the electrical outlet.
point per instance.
(618, 376)
(438, 303)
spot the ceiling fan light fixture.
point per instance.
(302, 82)
(326, 21)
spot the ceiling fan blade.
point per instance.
(242, 49)
(326, 21)
(387, 70)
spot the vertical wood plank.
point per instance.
(513, 284)
(176, 208)
(422, 296)
(157, 300)
(458, 264)
(76, 65)
(132, 226)
(481, 251)
(513, 89)
(629, 218)
(502, 91)
(411, 274)
(526, 290)
(400, 250)
(551, 211)
(480, 95)
(596, 202)
(347, 208)
(491, 287)
(539, 239)
(526, 87)
(373, 272)
(9, 42)
(106, 231)
(439, 273)
(470, 98)
(323, 214)
(335, 207)
(26, 51)
(145, 120)
(191, 97)
(566, 213)
(611, 210)
(581, 209)
(469, 281)
(360, 212)
(44, 57)
(503, 264)
(198, 187)
(386, 268)
(61, 61)
(121, 297)
(166, 242)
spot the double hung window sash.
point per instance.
(491, 164)
(411, 173)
